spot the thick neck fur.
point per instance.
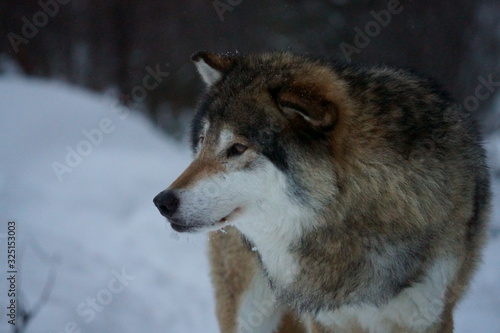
(326, 256)
(273, 229)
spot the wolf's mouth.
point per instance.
(178, 226)
(229, 216)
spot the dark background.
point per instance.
(106, 45)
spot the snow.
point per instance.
(100, 218)
(96, 221)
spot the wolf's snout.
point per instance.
(167, 203)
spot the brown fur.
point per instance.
(199, 169)
(291, 324)
(233, 266)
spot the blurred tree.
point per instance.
(103, 44)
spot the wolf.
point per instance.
(338, 198)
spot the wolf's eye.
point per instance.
(236, 150)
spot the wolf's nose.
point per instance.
(167, 203)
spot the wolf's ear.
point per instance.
(211, 66)
(312, 106)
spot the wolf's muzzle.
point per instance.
(167, 203)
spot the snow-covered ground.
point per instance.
(78, 175)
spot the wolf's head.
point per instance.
(261, 139)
